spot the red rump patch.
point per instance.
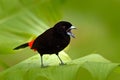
(30, 44)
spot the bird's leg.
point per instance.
(42, 65)
(60, 60)
(42, 61)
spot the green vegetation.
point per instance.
(30, 69)
(98, 31)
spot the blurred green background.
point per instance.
(97, 22)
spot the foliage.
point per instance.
(98, 31)
(30, 69)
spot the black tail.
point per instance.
(21, 46)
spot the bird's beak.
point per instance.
(69, 31)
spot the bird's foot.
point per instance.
(43, 66)
(62, 63)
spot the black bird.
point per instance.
(52, 41)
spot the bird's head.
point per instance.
(64, 28)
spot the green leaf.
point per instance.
(23, 20)
(98, 66)
(30, 69)
(100, 70)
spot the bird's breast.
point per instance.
(60, 44)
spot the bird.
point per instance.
(52, 41)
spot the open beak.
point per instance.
(69, 31)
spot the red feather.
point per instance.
(30, 44)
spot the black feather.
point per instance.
(21, 46)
